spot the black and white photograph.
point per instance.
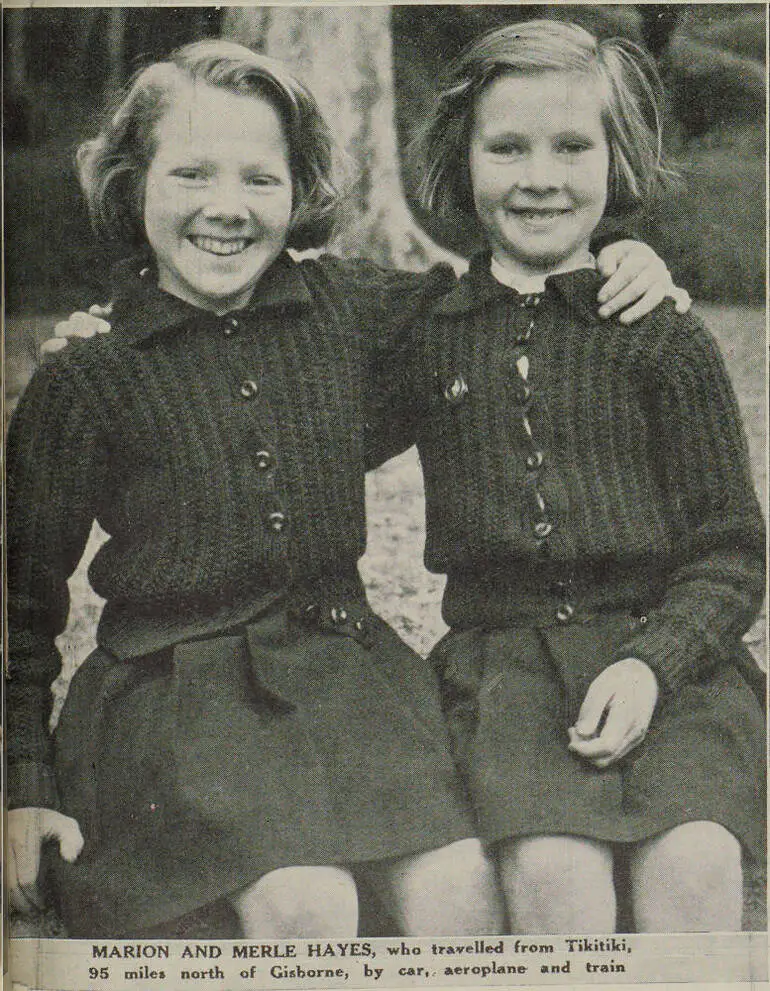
(385, 474)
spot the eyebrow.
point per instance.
(509, 134)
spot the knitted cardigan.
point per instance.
(224, 456)
(574, 465)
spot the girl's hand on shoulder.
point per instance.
(27, 831)
(616, 712)
(637, 282)
(79, 324)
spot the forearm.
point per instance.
(708, 606)
(53, 478)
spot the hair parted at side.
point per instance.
(633, 99)
(112, 166)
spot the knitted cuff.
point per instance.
(666, 652)
(31, 785)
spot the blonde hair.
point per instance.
(633, 97)
(112, 167)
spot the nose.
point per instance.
(540, 173)
(226, 203)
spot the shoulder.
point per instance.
(56, 395)
(70, 377)
(665, 334)
(677, 349)
(366, 277)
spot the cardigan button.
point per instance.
(565, 612)
(277, 521)
(264, 460)
(534, 460)
(542, 529)
(231, 326)
(249, 389)
(456, 390)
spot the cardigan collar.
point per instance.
(142, 310)
(478, 287)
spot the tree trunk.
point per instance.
(114, 42)
(344, 56)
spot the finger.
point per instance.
(591, 711)
(608, 259)
(53, 344)
(85, 325)
(30, 890)
(618, 726)
(652, 298)
(634, 737)
(681, 298)
(101, 311)
(22, 876)
(81, 325)
(70, 840)
(73, 325)
(627, 290)
(629, 744)
(619, 281)
(56, 826)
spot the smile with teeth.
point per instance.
(220, 246)
(539, 214)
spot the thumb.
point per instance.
(60, 827)
(682, 300)
(101, 311)
(609, 258)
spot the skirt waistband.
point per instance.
(551, 596)
(335, 602)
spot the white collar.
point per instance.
(530, 283)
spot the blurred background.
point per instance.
(374, 71)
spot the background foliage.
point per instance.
(60, 63)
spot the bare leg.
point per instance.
(558, 884)
(688, 880)
(299, 901)
(451, 891)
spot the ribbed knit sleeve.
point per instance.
(394, 402)
(714, 594)
(54, 472)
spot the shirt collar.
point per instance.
(478, 287)
(529, 284)
(142, 310)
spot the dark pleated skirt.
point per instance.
(195, 771)
(509, 697)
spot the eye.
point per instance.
(190, 174)
(505, 149)
(258, 178)
(574, 146)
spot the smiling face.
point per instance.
(539, 163)
(218, 195)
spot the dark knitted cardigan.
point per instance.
(224, 456)
(631, 489)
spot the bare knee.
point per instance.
(554, 863)
(461, 867)
(300, 901)
(452, 890)
(558, 884)
(699, 857)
